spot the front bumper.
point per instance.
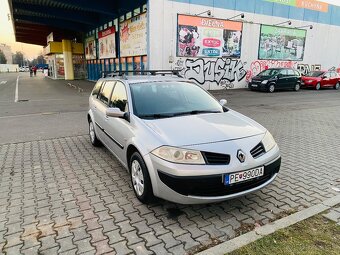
(186, 184)
(257, 86)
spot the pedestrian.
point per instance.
(35, 70)
(31, 71)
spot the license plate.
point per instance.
(243, 175)
(254, 85)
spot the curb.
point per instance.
(270, 228)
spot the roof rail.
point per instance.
(124, 74)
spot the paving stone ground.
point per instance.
(65, 196)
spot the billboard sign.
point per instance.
(208, 37)
(107, 43)
(306, 4)
(281, 43)
(90, 48)
(133, 36)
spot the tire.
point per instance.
(92, 133)
(140, 179)
(297, 87)
(337, 86)
(271, 88)
(318, 86)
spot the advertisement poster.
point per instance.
(208, 37)
(90, 48)
(133, 36)
(107, 43)
(281, 43)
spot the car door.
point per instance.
(93, 103)
(118, 129)
(100, 107)
(291, 78)
(333, 79)
(281, 82)
(326, 79)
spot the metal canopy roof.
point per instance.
(33, 20)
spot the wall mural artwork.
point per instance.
(221, 71)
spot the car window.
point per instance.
(96, 88)
(327, 75)
(119, 97)
(290, 72)
(105, 92)
(283, 72)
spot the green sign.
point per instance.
(286, 2)
(281, 43)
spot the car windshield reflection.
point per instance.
(169, 99)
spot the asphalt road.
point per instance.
(44, 109)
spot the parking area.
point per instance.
(58, 194)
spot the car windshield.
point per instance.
(169, 99)
(315, 74)
(269, 72)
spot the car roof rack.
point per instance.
(124, 74)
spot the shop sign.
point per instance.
(107, 43)
(90, 48)
(306, 4)
(133, 36)
(208, 37)
(281, 43)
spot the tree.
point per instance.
(3, 59)
(18, 58)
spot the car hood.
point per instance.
(311, 78)
(204, 128)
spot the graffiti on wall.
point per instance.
(222, 71)
(258, 66)
(306, 68)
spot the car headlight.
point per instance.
(178, 155)
(310, 80)
(268, 141)
(264, 82)
(250, 80)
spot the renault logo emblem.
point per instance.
(241, 156)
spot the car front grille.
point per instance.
(212, 185)
(258, 151)
(212, 158)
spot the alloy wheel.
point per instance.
(91, 131)
(137, 177)
(318, 86)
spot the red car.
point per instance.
(321, 79)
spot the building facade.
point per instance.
(218, 43)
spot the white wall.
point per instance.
(4, 68)
(322, 46)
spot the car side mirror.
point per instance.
(114, 112)
(279, 75)
(323, 77)
(223, 102)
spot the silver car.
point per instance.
(178, 142)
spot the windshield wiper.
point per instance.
(156, 116)
(194, 112)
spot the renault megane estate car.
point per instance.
(178, 142)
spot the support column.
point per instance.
(68, 63)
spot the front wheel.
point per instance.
(271, 88)
(337, 86)
(140, 178)
(93, 137)
(318, 86)
(297, 87)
